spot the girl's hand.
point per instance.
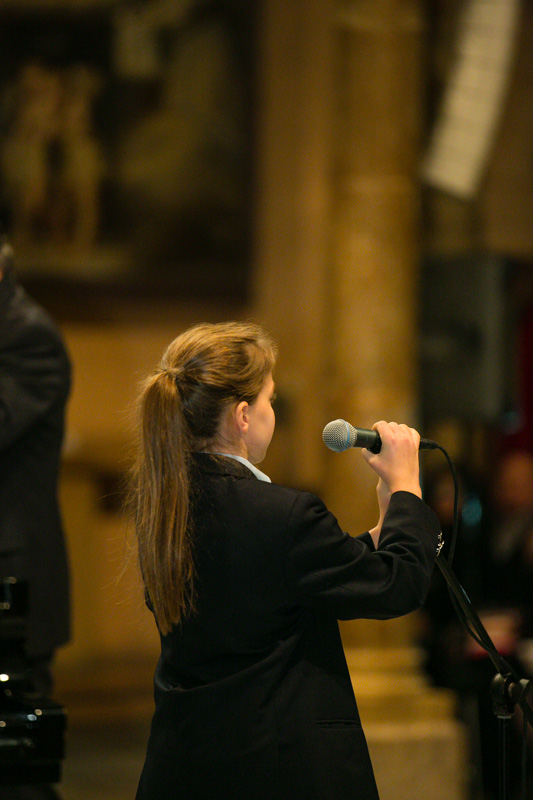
(397, 462)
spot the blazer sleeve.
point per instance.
(330, 570)
(34, 374)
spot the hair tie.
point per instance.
(176, 373)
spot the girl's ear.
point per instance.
(241, 416)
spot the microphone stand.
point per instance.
(507, 689)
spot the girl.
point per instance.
(247, 579)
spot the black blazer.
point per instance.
(34, 385)
(253, 695)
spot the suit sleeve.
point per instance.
(34, 374)
(346, 576)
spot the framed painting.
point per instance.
(126, 142)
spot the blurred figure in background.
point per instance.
(184, 164)
(511, 543)
(494, 563)
(34, 386)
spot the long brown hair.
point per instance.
(202, 372)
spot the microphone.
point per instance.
(339, 436)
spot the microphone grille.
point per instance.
(339, 435)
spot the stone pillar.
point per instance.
(374, 267)
(292, 234)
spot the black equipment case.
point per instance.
(32, 727)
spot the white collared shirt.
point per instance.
(257, 472)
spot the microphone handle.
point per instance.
(369, 439)
(372, 441)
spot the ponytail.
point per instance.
(202, 372)
(161, 504)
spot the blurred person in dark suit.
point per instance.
(34, 387)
